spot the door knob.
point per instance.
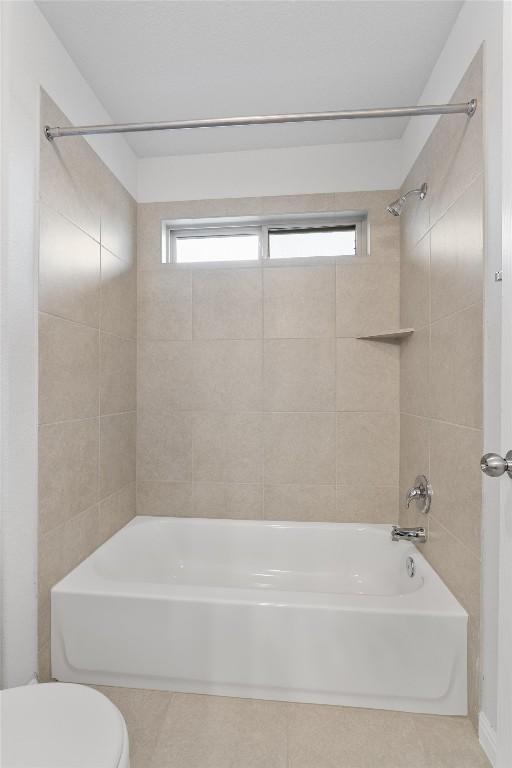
(493, 465)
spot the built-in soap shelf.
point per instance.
(396, 335)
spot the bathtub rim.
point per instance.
(432, 598)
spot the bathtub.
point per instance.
(305, 612)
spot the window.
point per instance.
(235, 244)
(286, 243)
(326, 236)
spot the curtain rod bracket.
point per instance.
(472, 105)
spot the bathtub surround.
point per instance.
(442, 362)
(87, 360)
(255, 397)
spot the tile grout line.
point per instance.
(440, 421)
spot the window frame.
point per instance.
(172, 230)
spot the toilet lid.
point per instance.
(59, 725)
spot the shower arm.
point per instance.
(466, 108)
(421, 192)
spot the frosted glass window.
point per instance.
(233, 247)
(309, 243)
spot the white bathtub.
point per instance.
(309, 612)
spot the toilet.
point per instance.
(61, 725)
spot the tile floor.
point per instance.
(174, 730)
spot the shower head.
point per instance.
(396, 207)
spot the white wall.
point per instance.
(291, 171)
(31, 57)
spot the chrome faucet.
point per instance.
(416, 535)
(421, 494)
(412, 493)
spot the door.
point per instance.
(504, 729)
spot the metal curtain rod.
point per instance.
(467, 108)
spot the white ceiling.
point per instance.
(172, 60)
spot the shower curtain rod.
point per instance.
(467, 108)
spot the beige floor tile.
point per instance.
(144, 712)
(188, 731)
(215, 732)
(336, 737)
(449, 742)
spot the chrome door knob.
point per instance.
(494, 465)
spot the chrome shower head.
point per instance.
(395, 208)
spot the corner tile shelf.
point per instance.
(398, 335)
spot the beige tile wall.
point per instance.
(87, 360)
(441, 363)
(255, 399)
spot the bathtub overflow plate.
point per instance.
(411, 566)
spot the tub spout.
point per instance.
(416, 535)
